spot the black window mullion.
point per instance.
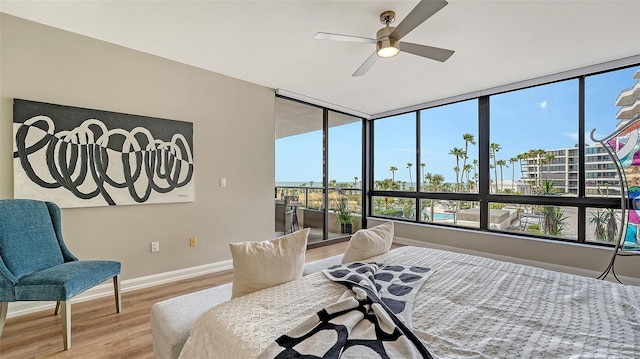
(372, 160)
(325, 171)
(367, 164)
(582, 210)
(418, 173)
(483, 160)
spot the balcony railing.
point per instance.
(313, 197)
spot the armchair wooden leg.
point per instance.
(4, 308)
(116, 291)
(65, 307)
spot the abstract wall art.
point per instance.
(78, 157)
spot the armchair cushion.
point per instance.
(64, 281)
(28, 242)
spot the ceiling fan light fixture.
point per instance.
(387, 48)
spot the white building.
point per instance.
(561, 165)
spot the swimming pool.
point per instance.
(440, 216)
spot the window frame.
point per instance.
(582, 201)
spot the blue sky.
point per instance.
(540, 117)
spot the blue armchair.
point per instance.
(36, 265)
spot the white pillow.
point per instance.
(366, 243)
(259, 265)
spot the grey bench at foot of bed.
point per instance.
(172, 319)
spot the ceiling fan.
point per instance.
(388, 38)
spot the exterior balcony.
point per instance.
(308, 207)
(629, 96)
(629, 112)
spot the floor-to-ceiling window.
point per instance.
(299, 168)
(449, 162)
(344, 173)
(521, 161)
(318, 171)
(395, 167)
(534, 131)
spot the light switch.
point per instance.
(223, 182)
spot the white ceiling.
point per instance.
(271, 43)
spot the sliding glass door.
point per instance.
(318, 171)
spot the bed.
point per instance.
(470, 307)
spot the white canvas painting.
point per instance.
(79, 157)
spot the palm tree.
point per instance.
(387, 183)
(539, 152)
(422, 165)
(393, 170)
(475, 170)
(428, 181)
(501, 163)
(512, 161)
(522, 157)
(494, 147)
(456, 169)
(599, 220)
(458, 152)
(606, 224)
(409, 165)
(548, 158)
(468, 139)
(533, 178)
(612, 224)
(436, 180)
(355, 182)
(467, 168)
(447, 187)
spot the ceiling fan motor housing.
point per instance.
(385, 42)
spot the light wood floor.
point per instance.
(98, 332)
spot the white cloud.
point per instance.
(543, 104)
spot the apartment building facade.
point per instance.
(560, 166)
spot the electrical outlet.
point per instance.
(193, 241)
(155, 247)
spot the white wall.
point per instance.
(233, 125)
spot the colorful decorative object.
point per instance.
(624, 147)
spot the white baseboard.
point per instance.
(549, 266)
(106, 289)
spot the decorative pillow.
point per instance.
(366, 243)
(259, 265)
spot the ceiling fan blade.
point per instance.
(430, 52)
(366, 65)
(424, 10)
(339, 37)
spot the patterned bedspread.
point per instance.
(371, 320)
(471, 307)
